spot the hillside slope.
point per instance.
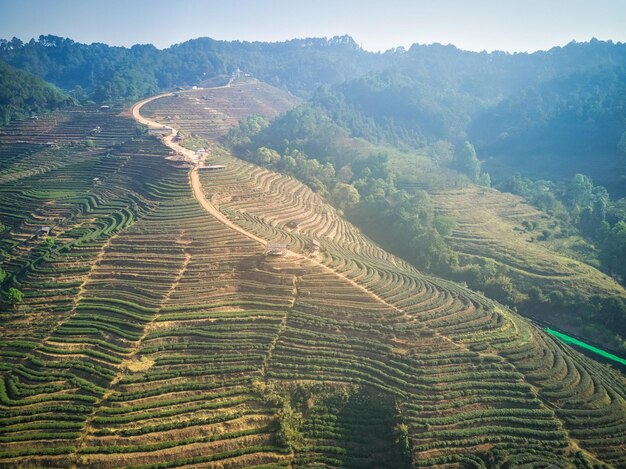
(209, 113)
(24, 95)
(154, 335)
(502, 228)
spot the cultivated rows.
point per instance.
(209, 113)
(471, 363)
(490, 226)
(155, 336)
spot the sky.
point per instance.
(513, 26)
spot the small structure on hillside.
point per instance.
(34, 118)
(177, 138)
(275, 249)
(292, 224)
(42, 231)
(313, 246)
(95, 130)
(212, 167)
(105, 107)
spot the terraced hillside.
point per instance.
(210, 112)
(500, 227)
(472, 352)
(157, 333)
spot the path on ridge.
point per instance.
(198, 192)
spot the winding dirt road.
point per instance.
(194, 176)
(198, 192)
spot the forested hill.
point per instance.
(23, 95)
(523, 112)
(102, 72)
(547, 115)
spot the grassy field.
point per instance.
(153, 335)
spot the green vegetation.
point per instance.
(130, 73)
(307, 145)
(23, 95)
(589, 208)
(154, 334)
(366, 184)
(318, 343)
(14, 296)
(537, 114)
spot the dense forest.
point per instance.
(23, 95)
(103, 73)
(523, 112)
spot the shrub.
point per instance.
(14, 296)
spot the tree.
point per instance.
(403, 440)
(466, 161)
(14, 296)
(265, 155)
(290, 422)
(601, 202)
(345, 196)
(484, 180)
(345, 174)
(614, 250)
(579, 192)
(444, 225)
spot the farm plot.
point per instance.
(458, 367)
(209, 113)
(185, 393)
(81, 314)
(499, 227)
(462, 366)
(172, 339)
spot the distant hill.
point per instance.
(530, 113)
(523, 112)
(23, 95)
(102, 72)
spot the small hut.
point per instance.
(275, 249)
(292, 224)
(212, 167)
(42, 231)
(313, 246)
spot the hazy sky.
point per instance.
(520, 25)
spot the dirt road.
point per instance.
(198, 192)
